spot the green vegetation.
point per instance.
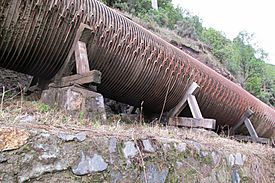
(239, 56)
(43, 108)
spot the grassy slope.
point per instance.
(13, 112)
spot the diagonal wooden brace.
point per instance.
(246, 121)
(197, 120)
(192, 90)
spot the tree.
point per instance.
(269, 83)
(189, 25)
(165, 16)
(217, 41)
(245, 55)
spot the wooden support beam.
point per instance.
(250, 128)
(251, 139)
(192, 90)
(93, 77)
(194, 107)
(83, 34)
(249, 113)
(81, 58)
(197, 121)
(193, 123)
(245, 116)
(78, 55)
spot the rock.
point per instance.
(39, 169)
(45, 135)
(112, 149)
(148, 147)
(112, 145)
(66, 137)
(87, 164)
(235, 176)
(47, 158)
(27, 158)
(114, 107)
(221, 174)
(116, 176)
(236, 159)
(166, 147)
(81, 136)
(69, 137)
(129, 150)
(44, 155)
(179, 164)
(195, 145)
(47, 153)
(25, 118)
(11, 79)
(216, 158)
(155, 174)
(231, 160)
(12, 138)
(204, 153)
(75, 101)
(212, 178)
(181, 147)
(3, 158)
(239, 159)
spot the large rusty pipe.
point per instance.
(36, 36)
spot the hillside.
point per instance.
(239, 60)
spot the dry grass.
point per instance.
(54, 121)
(53, 118)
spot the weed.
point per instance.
(96, 123)
(81, 115)
(43, 108)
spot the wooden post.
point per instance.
(83, 34)
(194, 107)
(250, 128)
(155, 4)
(81, 58)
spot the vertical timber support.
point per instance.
(76, 93)
(81, 58)
(197, 121)
(84, 33)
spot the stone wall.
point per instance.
(41, 155)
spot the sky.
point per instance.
(232, 16)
